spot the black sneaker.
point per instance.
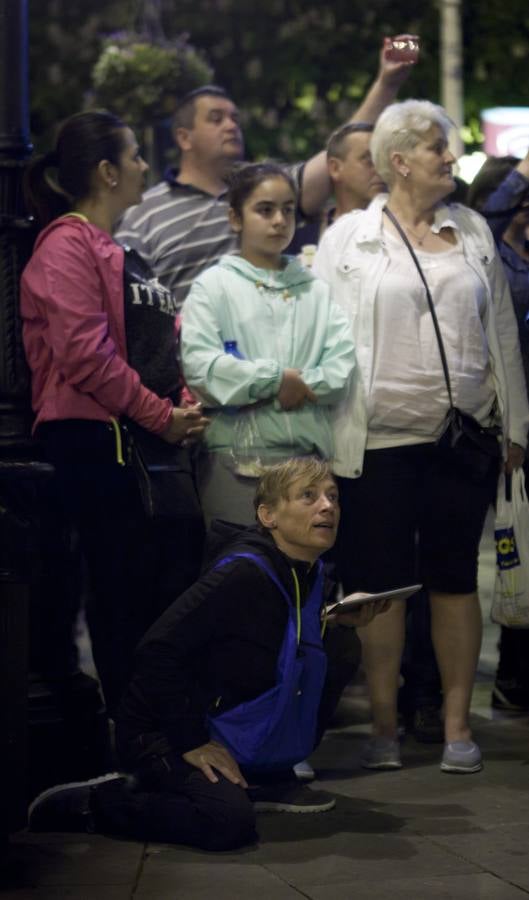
(290, 797)
(510, 696)
(427, 727)
(67, 807)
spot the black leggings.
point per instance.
(411, 518)
(137, 566)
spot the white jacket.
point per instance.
(352, 258)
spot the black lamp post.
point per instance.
(19, 472)
(67, 720)
(16, 233)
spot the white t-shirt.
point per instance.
(408, 398)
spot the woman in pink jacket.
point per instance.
(99, 335)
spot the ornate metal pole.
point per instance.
(17, 471)
(15, 229)
(34, 545)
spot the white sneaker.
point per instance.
(381, 753)
(463, 757)
(304, 771)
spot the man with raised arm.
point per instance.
(181, 227)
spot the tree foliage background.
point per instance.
(295, 67)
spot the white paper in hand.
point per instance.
(353, 601)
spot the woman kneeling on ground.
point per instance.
(229, 686)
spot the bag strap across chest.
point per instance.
(265, 567)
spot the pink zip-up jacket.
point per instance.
(72, 308)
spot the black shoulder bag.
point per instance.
(463, 442)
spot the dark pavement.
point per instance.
(414, 833)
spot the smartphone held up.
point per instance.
(402, 48)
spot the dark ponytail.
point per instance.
(83, 141)
(44, 199)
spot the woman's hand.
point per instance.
(515, 458)
(395, 72)
(362, 616)
(185, 425)
(212, 756)
(293, 392)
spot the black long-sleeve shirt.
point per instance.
(216, 646)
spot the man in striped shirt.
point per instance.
(181, 226)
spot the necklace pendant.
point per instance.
(420, 239)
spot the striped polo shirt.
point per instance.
(180, 230)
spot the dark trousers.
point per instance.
(513, 664)
(137, 566)
(174, 802)
(422, 681)
(411, 518)
(343, 649)
(56, 592)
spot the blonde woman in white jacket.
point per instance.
(407, 515)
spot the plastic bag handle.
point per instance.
(508, 488)
(518, 484)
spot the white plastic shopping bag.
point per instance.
(510, 604)
(246, 440)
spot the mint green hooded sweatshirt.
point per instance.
(279, 319)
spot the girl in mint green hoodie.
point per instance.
(263, 346)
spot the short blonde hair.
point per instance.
(400, 128)
(276, 481)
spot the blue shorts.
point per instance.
(411, 518)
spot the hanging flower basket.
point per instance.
(142, 81)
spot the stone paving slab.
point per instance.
(414, 834)
(168, 875)
(221, 892)
(348, 857)
(453, 887)
(92, 860)
(428, 793)
(376, 829)
(70, 893)
(501, 849)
